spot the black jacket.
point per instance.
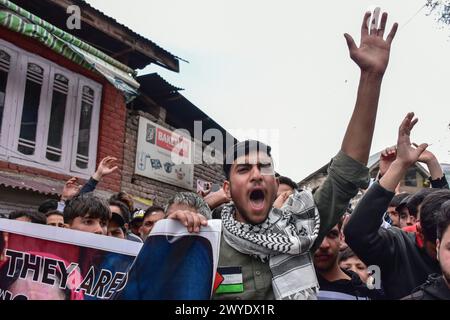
(403, 265)
(434, 289)
(354, 288)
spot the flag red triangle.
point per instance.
(218, 280)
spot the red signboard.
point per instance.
(172, 142)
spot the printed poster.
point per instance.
(39, 262)
(163, 155)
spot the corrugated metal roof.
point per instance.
(31, 183)
(156, 86)
(373, 159)
(112, 20)
(372, 163)
(321, 171)
(49, 187)
(114, 38)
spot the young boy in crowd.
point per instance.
(87, 213)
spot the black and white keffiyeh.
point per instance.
(284, 240)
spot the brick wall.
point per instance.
(147, 188)
(116, 126)
(112, 114)
(112, 134)
(12, 167)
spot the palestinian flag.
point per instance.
(232, 280)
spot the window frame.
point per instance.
(12, 114)
(68, 125)
(20, 92)
(95, 120)
(10, 98)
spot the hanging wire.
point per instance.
(413, 16)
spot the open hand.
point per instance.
(373, 53)
(106, 166)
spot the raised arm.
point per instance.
(348, 172)
(372, 57)
(105, 167)
(375, 245)
(437, 176)
(407, 155)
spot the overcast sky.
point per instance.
(284, 66)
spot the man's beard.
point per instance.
(246, 216)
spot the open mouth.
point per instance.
(321, 257)
(257, 199)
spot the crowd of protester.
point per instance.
(299, 244)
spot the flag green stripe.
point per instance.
(230, 288)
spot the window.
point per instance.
(84, 139)
(30, 109)
(446, 169)
(57, 114)
(411, 177)
(7, 62)
(48, 115)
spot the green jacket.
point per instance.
(345, 177)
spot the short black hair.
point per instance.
(151, 210)
(242, 149)
(403, 204)
(397, 199)
(287, 181)
(443, 219)
(345, 254)
(428, 212)
(48, 205)
(416, 199)
(126, 214)
(35, 217)
(54, 213)
(86, 205)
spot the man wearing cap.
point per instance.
(137, 218)
(405, 218)
(266, 252)
(119, 222)
(392, 215)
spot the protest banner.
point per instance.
(39, 262)
(174, 264)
